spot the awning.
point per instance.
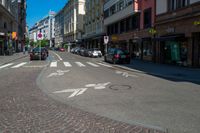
(168, 38)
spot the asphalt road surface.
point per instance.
(70, 93)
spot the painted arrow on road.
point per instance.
(76, 92)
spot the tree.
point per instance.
(44, 43)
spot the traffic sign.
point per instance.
(39, 35)
(106, 39)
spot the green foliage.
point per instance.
(27, 41)
(44, 43)
(65, 46)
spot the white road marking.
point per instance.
(105, 65)
(4, 66)
(58, 73)
(19, 65)
(58, 56)
(53, 64)
(80, 64)
(67, 64)
(76, 92)
(98, 86)
(82, 91)
(125, 74)
(92, 64)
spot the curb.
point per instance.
(14, 60)
(155, 74)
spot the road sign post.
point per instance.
(39, 38)
(106, 40)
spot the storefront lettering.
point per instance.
(152, 31)
(196, 23)
(170, 30)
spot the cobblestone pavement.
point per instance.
(26, 109)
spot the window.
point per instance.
(135, 21)
(122, 29)
(147, 18)
(112, 10)
(106, 13)
(176, 4)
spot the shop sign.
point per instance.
(14, 35)
(170, 30)
(2, 34)
(152, 31)
(196, 23)
(106, 39)
(114, 38)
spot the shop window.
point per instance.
(147, 48)
(147, 18)
(128, 24)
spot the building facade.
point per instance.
(74, 10)
(128, 24)
(93, 24)
(46, 28)
(59, 28)
(178, 32)
(12, 25)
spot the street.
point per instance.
(70, 93)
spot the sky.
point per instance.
(38, 9)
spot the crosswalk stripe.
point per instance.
(6, 65)
(92, 64)
(104, 65)
(67, 64)
(19, 65)
(53, 64)
(80, 64)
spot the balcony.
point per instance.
(128, 11)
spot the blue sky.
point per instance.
(37, 9)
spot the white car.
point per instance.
(95, 53)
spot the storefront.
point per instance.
(174, 49)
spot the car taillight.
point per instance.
(117, 56)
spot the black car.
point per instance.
(38, 53)
(116, 55)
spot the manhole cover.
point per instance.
(120, 87)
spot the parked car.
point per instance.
(62, 50)
(95, 53)
(77, 50)
(82, 51)
(116, 55)
(38, 53)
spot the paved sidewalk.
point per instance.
(170, 72)
(176, 73)
(7, 59)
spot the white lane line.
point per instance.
(80, 64)
(67, 64)
(92, 64)
(53, 64)
(58, 56)
(105, 65)
(6, 65)
(19, 65)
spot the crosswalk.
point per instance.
(55, 64)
